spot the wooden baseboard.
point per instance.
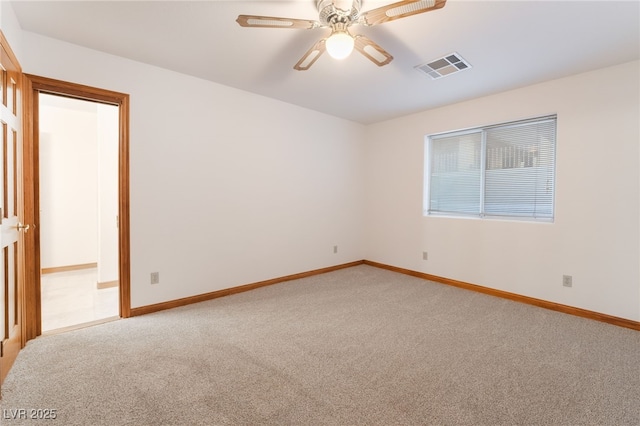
(107, 284)
(621, 322)
(142, 310)
(68, 268)
(584, 313)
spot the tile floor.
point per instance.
(71, 298)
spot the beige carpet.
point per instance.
(359, 346)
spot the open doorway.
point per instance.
(33, 86)
(78, 158)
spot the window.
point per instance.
(506, 170)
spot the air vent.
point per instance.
(444, 66)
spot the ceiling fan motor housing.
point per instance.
(338, 11)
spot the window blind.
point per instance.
(519, 172)
(503, 170)
(456, 174)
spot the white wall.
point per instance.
(79, 184)
(107, 175)
(11, 28)
(595, 236)
(68, 182)
(227, 187)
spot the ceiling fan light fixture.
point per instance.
(340, 44)
(340, 15)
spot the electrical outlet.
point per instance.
(155, 277)
(424, 255)
(567, 281)
(335, 249)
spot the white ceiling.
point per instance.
(508, 43)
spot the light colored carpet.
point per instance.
(356, 346)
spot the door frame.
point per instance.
(32, 87)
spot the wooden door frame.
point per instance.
(32, 87)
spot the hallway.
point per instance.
(71, 298)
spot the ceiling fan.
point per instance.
(339, 16)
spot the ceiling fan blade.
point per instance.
(372, 51)
(275, 22)
(398, 10)
(311, 56)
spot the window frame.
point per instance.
(483, 171)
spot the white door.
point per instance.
(12, 208)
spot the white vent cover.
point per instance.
(442, 67)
